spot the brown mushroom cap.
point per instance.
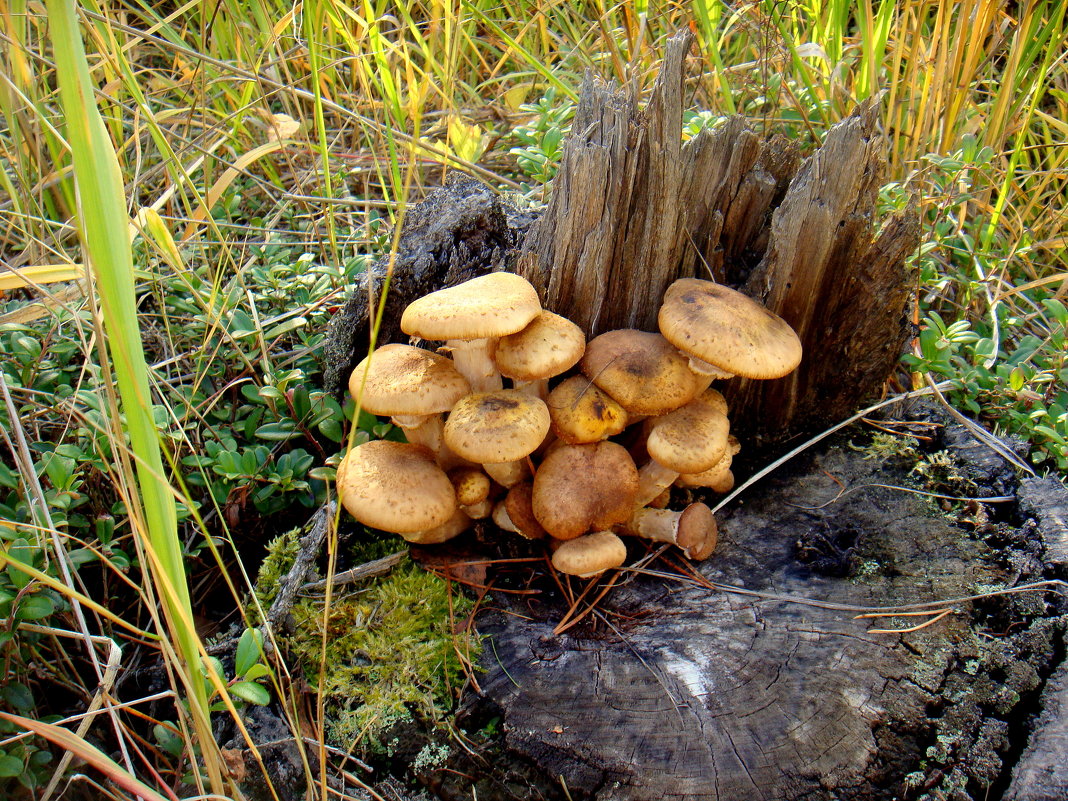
(501, 426)
(492, 305)
(579, 488)
(727, 329)
(550, 345)
(643, 372)
(690, 439)
(402, 380)
(519, 505)
(581, 412)
(698, 532)
(395, 487)
(587, 556)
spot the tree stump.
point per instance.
(675, 690)
(633, 208)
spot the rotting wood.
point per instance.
(633, 208)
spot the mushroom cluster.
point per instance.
(630, 414)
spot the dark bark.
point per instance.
(456, 233)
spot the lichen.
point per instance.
(390, 647)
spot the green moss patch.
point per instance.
(391, 650)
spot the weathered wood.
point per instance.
(843, 289)
(692, 694)
(457, 232)
(633, 208)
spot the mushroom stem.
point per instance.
(653, 478)
(474, 361)
(458, 523)
(693, 529)
(421, 429)
(538, 388)
(508, 474)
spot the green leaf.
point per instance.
(257, 671)
(1016, 379)
(249, 651)
(35, 607)
(252, 692)
(10, 766)
(277, 432)
(18, 696)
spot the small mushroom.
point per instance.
(413, 386)
(687, 440)
(693, 529)
(472, 491)
(726, 332)
(643, 372)
(516, 513)
(470, 317)
(396, 487)
(498, 430)
(590, 555)
(581, 488)
(549, 346)
(582, 413)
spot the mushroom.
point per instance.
(498, 430)
(643, 372)
(717, 478)
(693, 529)
(581, 412)
(411, 385)
(455, 525)
(470, 317)
(726, 333)
(687, 440)
(472, 491)
(516, 512)
(550, 345)
(590, 555)
(581, 488)
(395, 487)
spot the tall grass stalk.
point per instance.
(104, 230)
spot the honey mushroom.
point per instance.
(498, 430)
(411, 385)
(470, 317)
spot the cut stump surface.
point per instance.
(682, 692)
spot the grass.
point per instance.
(251, 161)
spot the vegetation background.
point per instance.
(189, 189)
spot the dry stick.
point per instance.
(1050, 585)
(310, 544)
(932, 389)
(843, 492)
(994, 443)
(376, 567)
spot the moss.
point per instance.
(390, 646)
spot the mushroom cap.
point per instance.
(471, 484)
(690, 439)
(698, 532)
(454, 526)
(643, 372)
(717, 478)
(728, 329)
(547, 347)
(579, 488)
(581, 412)
(404, 380)
(492, 305)
(589, 555)
(394, 486)
(501, 426)
(519, 505)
